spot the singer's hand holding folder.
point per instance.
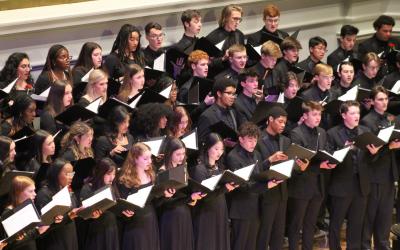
(103, 199)
(59, 205)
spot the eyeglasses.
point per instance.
(233, 94)
(237, 19)
(157, 36)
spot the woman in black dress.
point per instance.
(176, 229)
(140, 231)
(132, 84)
(125, 51)
(59, 99)
(210, 216)
(102, 229)
(117, 139)
(77, 142)
(55, 68)
(22, 189)
(61, 234)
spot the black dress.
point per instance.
(176, 229)
(210, 215)
(104, 146)
(139, 232)
(101, 233)
(61, 236)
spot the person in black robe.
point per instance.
(381, 41)
(77, 142)
(384, 173)
(271, 16)
(349, 184)
(346, 76)
(224, 92)
(368, 77)
(317, 47)
(307, 189)
(62, 234)
(245, 219)
(237, 57)
(228, 31)
(210, 216)
(345, 50)
(250, 96)
(101, 230)
(191, 20)
(290, 49)
(155, 36)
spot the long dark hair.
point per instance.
(10, 69)
(210, 140)
(21, 104)
(53, 172)
(172, 145)
(115, 118)
(51, 59)
(38, 139)
(85, 56)
(103, 167)
(121, 43)
(55, 103)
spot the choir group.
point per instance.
(227, 141)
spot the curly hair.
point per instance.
(10, 69)
(69, 140)
(147, 118)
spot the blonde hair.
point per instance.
(371, 56)
(18, 185)
(236, 48)
(227, 12)
(95, 76)
(78, 129)
(323, 68)
(129, 176)
(270, 48)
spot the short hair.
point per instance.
(323, 68)
(378, 89)
(290, 75)
(152, 25)
(196, 55)
(344, 107)
(308, 106)
(270, 48)
(188, 15)
(383, 20)
(343, 64)
(271, 10)
(244, 74)
(249, 129)
(221, 85)
(314, 41)
(276, 112)
(370, 56)
(290, 43)
(236, 48)
(227, 12)
(348, 30)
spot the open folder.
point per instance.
(279, 171)
(59, 205)
(102, 199)
(24, 218)
(175, 178)
(368, 138)
(298, 152)
(335, 158)
(133, 202)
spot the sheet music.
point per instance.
(350, 95)
(341, 153)
(284, 168)
(281, 98)
(154, 145)
(105, 194)
(8, 88)
(220, 44)
(135, 102)
(140, 197)
(85, 78)
(159, 63)
(396, 87)
(384, 134)
(43, 96)
(94, 106)
(166, 91)
(258, 49)
(211, 182)
(62, 198)
(190, 140)
(19, 220)
(245, 172)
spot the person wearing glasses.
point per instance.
(317, 46)
(368, 77)
(56, 67)
(228, 31)
(237, 57)
(155, 37)
(271, 18)
(224, 92)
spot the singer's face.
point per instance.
(291, 91)
(312, 118)
(66, 175)
(269, 61)
(352, 117)
(346, 74)
(380, 102)
(178, 156)
(278, 124)
(27, 193)
(248, 143)
(109, 177)
(250, 85)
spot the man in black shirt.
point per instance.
(367, 78)
(250, 95)
(191, 20)
(317, 47)
(244, 201)
(271, 18)
(384, 173)
(349, 182)
(346, 77)
(274, 200)
(155, 37)
(237, 62)
(348, 34)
